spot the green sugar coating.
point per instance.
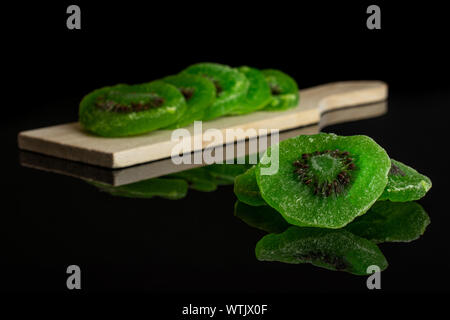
(172, 189)
(198, 179)
(391, 222)
(263, 217)
(284, 90)
(319, 198)
(124, 110)
(199, 93)
(246, 188)
(331, 249)
(258, 94)
(231, 87)
(405, 184)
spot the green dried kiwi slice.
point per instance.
(284, 90)
(172, 189)
(337, 250)
(264, 217)
(258, 94)
(246, 188)
(125, 110)
(198, 179)
(391, 222)
(405, 183)
(324, 180)
(231, 87)
(199, 93)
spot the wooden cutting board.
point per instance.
(158, 168)
(69, 141)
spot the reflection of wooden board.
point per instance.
(162, 167)
(69, 141)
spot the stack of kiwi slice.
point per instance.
(203, 91)
(331, 202)
(332, 199)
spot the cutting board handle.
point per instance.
(337, 95)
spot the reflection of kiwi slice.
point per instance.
(231, 87)
(331, 249)
(172, 189)
(391, 222)
(258, 94)
(225, 174)
(284, 90)
(384, 222)
(199, 93)
(324, 180)
(198, 179)
(405, 184)
(124, 110)
(247, 190)
(264, 217)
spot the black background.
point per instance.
(196, 245)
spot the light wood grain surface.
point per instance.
(70, 141)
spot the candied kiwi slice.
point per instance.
(405, 184)
(246, 188)
(258, 94)
(337, 250)
(388, 221)
(323, 180)
(231, 87)
(263, 217)
(125, 110)
(284, 90)
(199, 93)
(172, 189)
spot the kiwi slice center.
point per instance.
(138, 102)
(325, 172)
(216, 83)
(395, 170)
(187, 92)
(275, 89)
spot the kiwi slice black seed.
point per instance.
(284, 89)
(390, 221)
(324, 180)
(199, 92)
(231, 87)
(405, 183)
(337, 250)
(172, 189)
(125, 110)
(258, 94)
